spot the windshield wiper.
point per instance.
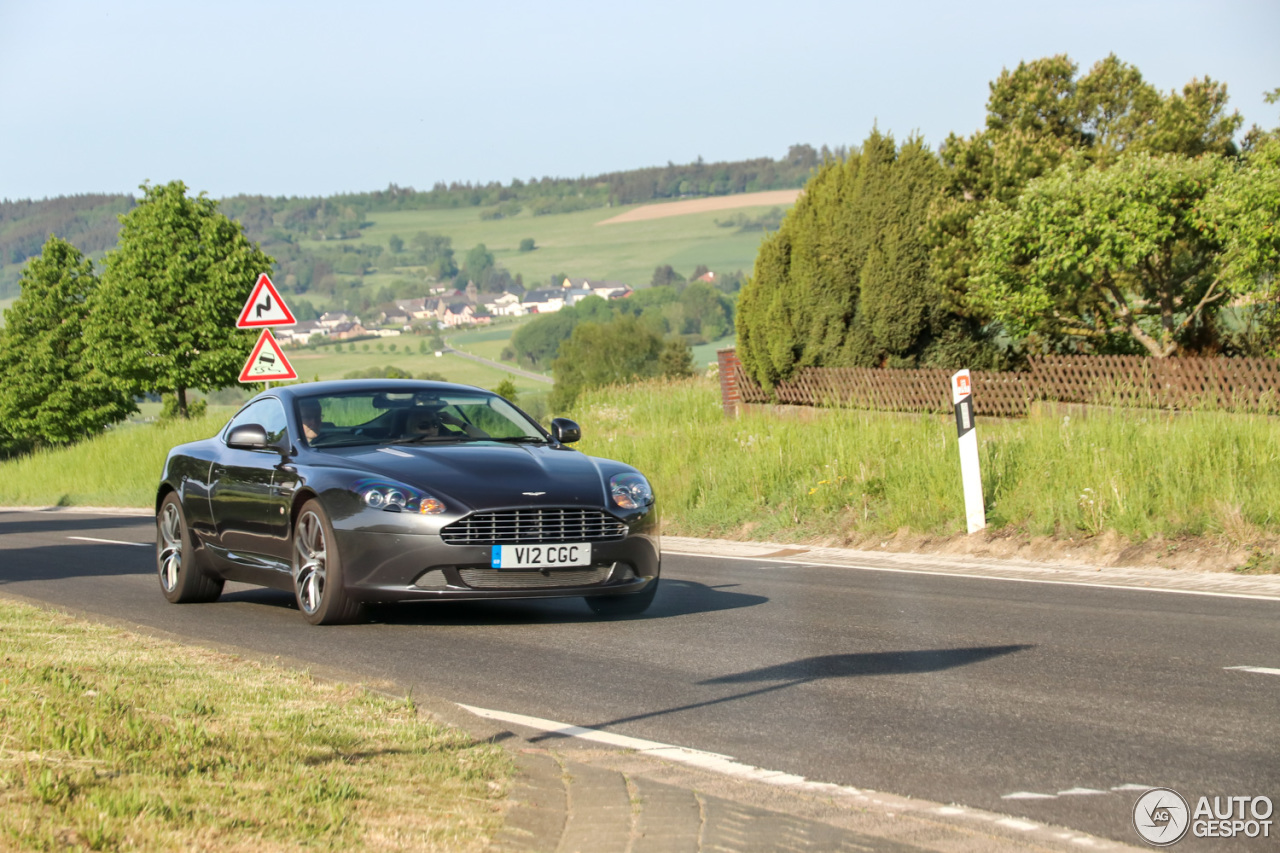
(343, 442)
(425, 439)
(519, 439)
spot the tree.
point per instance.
(845, 281)
(48, 393)
(535, 343)
(527, 245)
(164, 316)
(478, 263)
(600, 354)
(664, 275)
(435, 251)
(1039, 115)
(506, 388)
(1108, 255)
(675, 361)
(1241, 211)
(395, 244)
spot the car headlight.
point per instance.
(630, 491)
(394, 498)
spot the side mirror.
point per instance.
(565, 431)
(248, 437)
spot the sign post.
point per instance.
(264, 309)
(962, 398)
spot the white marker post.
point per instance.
(962, 399)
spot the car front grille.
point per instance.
(499, 579)
(525, 526)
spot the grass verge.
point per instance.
(110, 740)
(847, 477)
(121, 467)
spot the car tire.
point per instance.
(181, 580)
(623, 605)
(318, 581)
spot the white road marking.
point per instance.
(1264, 670)
(724, 764)
(110, 541)
(972, 576)
(1074, 792)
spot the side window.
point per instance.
(268, 413)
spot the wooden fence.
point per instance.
(1238, 384)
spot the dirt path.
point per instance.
(703, 205)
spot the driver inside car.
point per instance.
(310, 416)
(431, 424)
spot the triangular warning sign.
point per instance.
(267, 361)
(265, 307)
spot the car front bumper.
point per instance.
(389, 567)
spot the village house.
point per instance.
(607, 289)
(333, 319)
(506, 305)
(461, 314)
(346, 331)
(299, 334)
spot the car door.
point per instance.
(248, 511)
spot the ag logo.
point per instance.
(1161, 817)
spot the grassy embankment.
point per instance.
(845, 476)
(848, 477)
(117, 741)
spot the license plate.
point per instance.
(541, 556)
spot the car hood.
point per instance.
(485, 475)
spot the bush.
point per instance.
(169, 408)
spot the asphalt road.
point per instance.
(957, 690)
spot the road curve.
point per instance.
(518, 371)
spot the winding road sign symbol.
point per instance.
(265, 307)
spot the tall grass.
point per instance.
(121, 467)
(847, 475)
(114, 741)
(837, 475)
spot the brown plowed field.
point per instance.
(703, 205)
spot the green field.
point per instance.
(487, 341)
(325, 363)
(573, 244)
(490, 342)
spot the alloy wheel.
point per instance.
(310, 554)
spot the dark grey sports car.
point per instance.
(355, 492)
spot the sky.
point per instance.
(318, 98)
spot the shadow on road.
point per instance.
(80, 524)
(807, 670)
(74, 560)
(675, 598)
(867, 663)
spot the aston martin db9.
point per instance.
(367, 491)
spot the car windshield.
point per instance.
(412, 417)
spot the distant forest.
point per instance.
(89, 222)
